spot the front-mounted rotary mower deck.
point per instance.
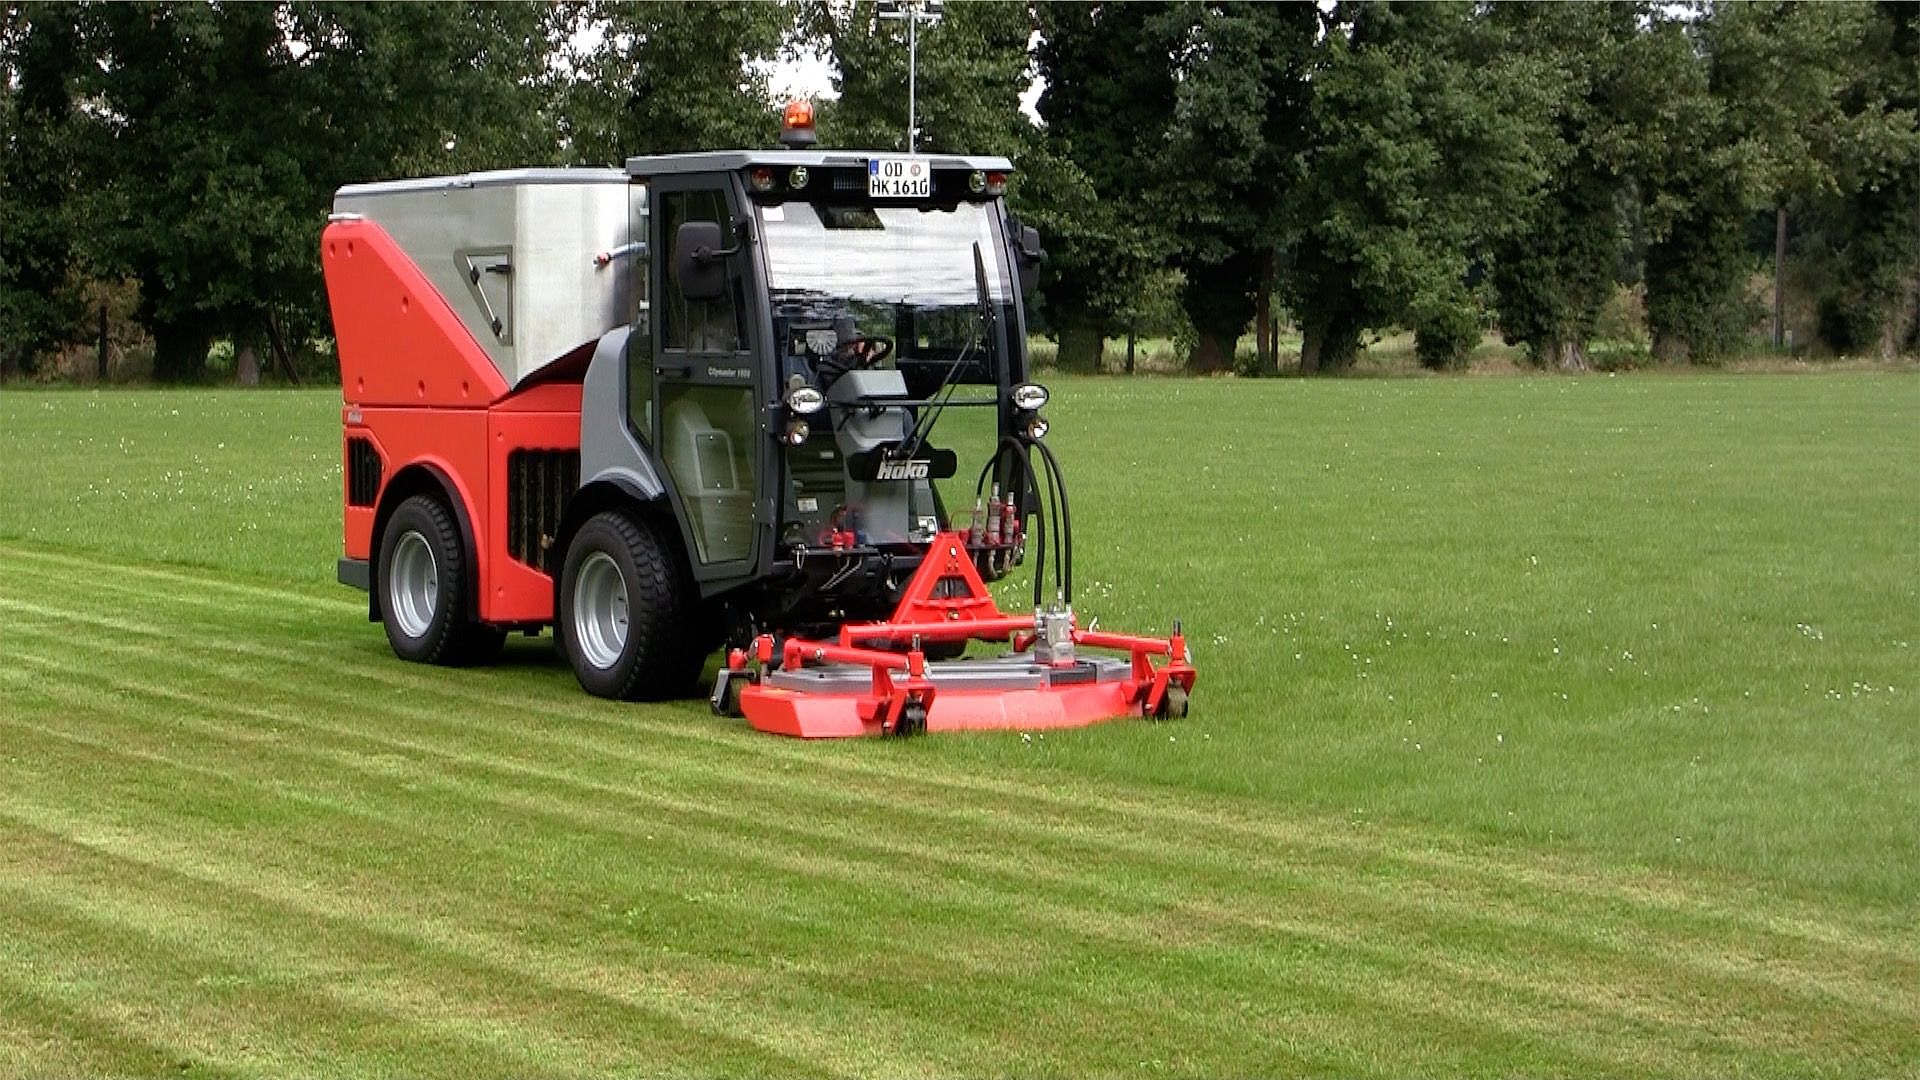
(719, 401)
(875, 678)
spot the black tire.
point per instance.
(628, 619)
(424, 604)
(1173, 705)
(913, 720)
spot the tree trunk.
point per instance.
(1327, 345)
(1567, 355)
(180, 352)
(1130, 341)
(246, 366)
(1779, 268)
(1902, 321)
(280, 351)
(1265, 354)
(1212, 354)
(1080, 345)
(1669, 348)
(104, 344)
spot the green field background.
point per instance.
(1545, 726)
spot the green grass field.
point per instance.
(1546, 727)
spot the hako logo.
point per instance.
(902, 470)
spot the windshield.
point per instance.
(894, 255)
(913, 277)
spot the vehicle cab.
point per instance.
(822, 361)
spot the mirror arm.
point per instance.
(742, 234)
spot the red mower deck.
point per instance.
(864, 684)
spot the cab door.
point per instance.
(706, 426)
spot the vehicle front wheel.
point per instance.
(627, 612)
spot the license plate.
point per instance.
(898, 178)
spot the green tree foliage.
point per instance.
(671, 77)
(1555, 271)
(40, 58)
(1232, 165)
(973, 67)
(1109, 93)
(1741, 111)
(1872, 300)
(1424, 148)
(221, 131)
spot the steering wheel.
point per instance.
(864, 351)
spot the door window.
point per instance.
(706, 424)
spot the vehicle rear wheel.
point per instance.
(423, 587)
(627, 613)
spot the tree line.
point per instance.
(1198, 169)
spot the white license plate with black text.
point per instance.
(898, 178)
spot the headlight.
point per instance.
(977, 182)
(1030, 397)
(805, 400)
(797, 432)
(1037, 428)
(798, 177)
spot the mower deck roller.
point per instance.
(865, 684)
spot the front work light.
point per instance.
(805, 400)
(1037, 428)
(1030, 397)
(797, 432)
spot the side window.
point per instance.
(713, 326)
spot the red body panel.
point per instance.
(540, 418)
(423, 391)
(400, 343)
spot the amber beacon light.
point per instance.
(796, 125)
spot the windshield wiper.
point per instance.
(982, 327)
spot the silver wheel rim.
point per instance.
(413, 585)
(600, 610)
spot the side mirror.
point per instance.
(1031, 256)
(697, 265)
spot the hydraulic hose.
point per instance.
(1015, 454)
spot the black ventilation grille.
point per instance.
(539, 483)
(363, 472)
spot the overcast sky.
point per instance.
(811, 75)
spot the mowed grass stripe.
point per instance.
(1744, 959)
(1402, 999)
(64, 1032)
(1446, 856)
(249, 929)
(341, 840)
(1340, 888)
(199, 580)
(1588, 1002)
(887, 939)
